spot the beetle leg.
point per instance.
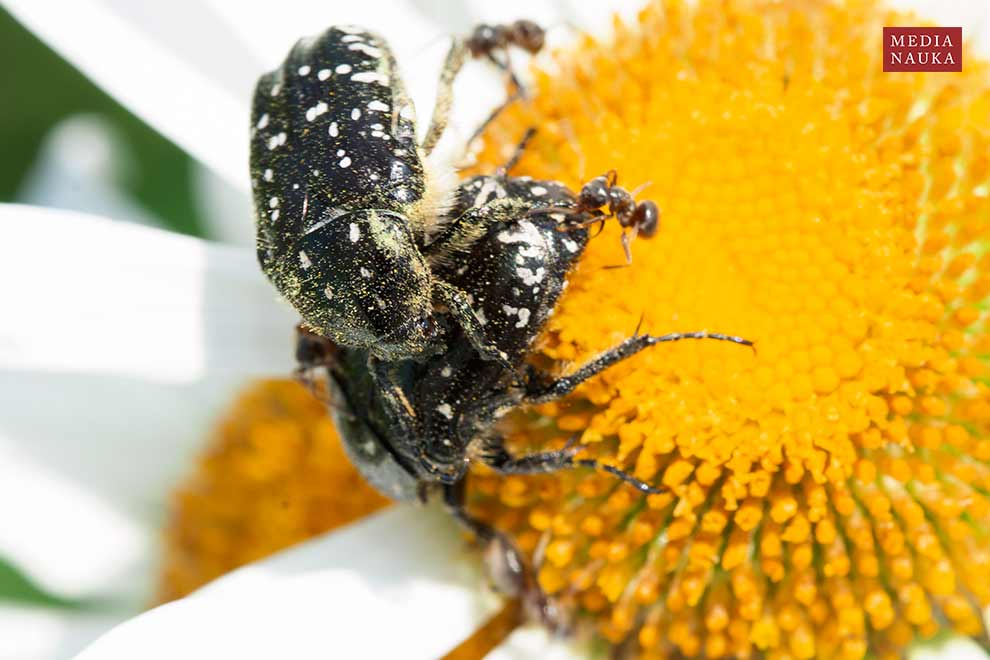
(457, 303)
(452, 65)
(397, 405)
(517, 153)
(541, 391)
(461, 232)
(497, 457)
(506, 567)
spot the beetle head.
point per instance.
(363, 283)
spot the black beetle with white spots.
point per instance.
(420, 306)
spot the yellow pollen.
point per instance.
(273, 474)
(827, 494)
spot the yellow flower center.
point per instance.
(273, 474)
(827, 493)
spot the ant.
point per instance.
(484, 41)
(487, 39)
(642, 219)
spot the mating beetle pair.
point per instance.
(419, 311)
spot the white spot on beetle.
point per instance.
(373, 176)
(333, 129)
(355, 233)
(328, 292)
(268, 175)
(276, 88)
(351, 38)
(570, 245)
(340, 152)
(370, 77)
(316, 111)
(365, 273)
(273, 202)
(445, 410)
(522, 313)
(345, 161)
(538, 191)
(378, 105)
(355, 114)
(274, 215)
(304, 70)
(446, 372)
(343, 68)
(530, 251)
(323, 74)
(526, 232)
(529, 277)
(262, 121)
(370, 51)
(304, 260)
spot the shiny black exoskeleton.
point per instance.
(414, 425)
(419, 314)
(346, 213)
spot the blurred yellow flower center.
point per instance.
(273, 474)
(828, 494)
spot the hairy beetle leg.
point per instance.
(500, 460)
(484, 41)
(508, 571)
(541, 392)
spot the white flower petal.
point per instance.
(223, 207)
(83, 294)
(86, 466)
(972, 15)
(399, 584)
(80, 167)
(956, 648)
(141, 58)
(535, 642)
(36, 633)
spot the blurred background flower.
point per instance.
(104, 406)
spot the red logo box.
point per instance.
(922, 49)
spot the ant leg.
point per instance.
(506, 68)
(499, 459)
(506, 567)
(541, 392)
(452, 65)
(512, 98)
(503, 171)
